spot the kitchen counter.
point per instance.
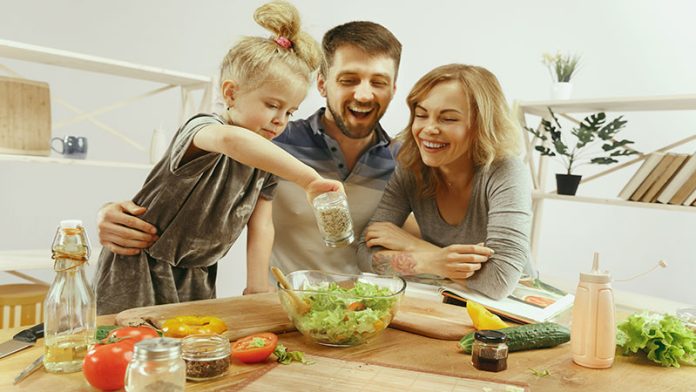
(405, 350)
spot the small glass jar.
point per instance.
(333, 218)
(489, 352)
(206, 356)
(156, 366)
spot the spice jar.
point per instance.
(489, 352)
(206, 356)
(333, 218)
(156, 366)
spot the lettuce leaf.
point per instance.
(662, 337)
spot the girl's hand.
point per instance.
(322, 185)
(392, 237)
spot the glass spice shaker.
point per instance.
(333, 218)
(156, 366)
(206, 356)
(489, 352)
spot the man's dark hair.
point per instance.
(374, 39)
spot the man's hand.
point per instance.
(121, 232)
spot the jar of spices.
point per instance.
(333, 218)
(489, 352)
(206, 356)
(156, 366)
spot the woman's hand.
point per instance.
(392, 237)
(457, 261)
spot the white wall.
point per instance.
(629, 48)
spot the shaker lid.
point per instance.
(155, 349)
(595, 276)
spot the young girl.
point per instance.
(460, 176)
(216, 176)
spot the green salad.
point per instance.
(340, 316)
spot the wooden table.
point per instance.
(405, 350)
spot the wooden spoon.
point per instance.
(300, 305)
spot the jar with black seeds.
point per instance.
(206, 356)
(489, 352)
(333, 218)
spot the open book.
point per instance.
(532, 301)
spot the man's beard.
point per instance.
(343, 127)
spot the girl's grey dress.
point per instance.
(199, 209)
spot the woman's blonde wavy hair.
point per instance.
(254, 60)
(493, 133)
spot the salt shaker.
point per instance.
(333, 218)
(592, 333)
(156, 366)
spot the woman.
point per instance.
(460, 176)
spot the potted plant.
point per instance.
(592, 131)
(561, 68)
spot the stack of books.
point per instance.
(667, 178)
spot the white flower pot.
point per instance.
(561, 90)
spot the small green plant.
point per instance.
(561, 66)
(591, 131)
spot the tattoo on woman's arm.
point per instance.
(400, 263)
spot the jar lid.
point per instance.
(157, 349)
(205, 347)
(70, 224)
(490, 336)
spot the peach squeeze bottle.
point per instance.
(593, 332)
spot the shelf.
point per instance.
(50, 56)
(77, 162)
(34, 259)
(616, 202)
(655, 103)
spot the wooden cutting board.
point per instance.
(265, 314)
(327, 374)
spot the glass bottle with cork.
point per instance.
(70, 312)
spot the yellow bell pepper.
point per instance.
(482, 318)
(179, 327)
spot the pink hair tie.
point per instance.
(284, 42)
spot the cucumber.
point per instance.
(526, 337)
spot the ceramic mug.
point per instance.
(73, 147)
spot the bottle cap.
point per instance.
(490, 336)
(70, 224)
(595, 276)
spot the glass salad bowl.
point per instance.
(341, 310)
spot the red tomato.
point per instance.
(135, 333)
(246, 350)
(105, 364)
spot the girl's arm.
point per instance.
(260, 233)
(251, 149)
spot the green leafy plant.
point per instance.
(592, 131)
(561, 66)
(663, 338)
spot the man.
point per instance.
(343, 141)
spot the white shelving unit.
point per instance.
(538, 164)
(188, 84)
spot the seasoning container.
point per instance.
(489, 352)
(333, 218)
(156, 366)
(206, 356)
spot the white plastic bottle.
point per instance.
(593, 331)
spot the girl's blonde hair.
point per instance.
(254, 59)
(492, 132)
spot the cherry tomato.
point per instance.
(105, 364)
(255, 348)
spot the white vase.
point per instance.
(561, 90)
